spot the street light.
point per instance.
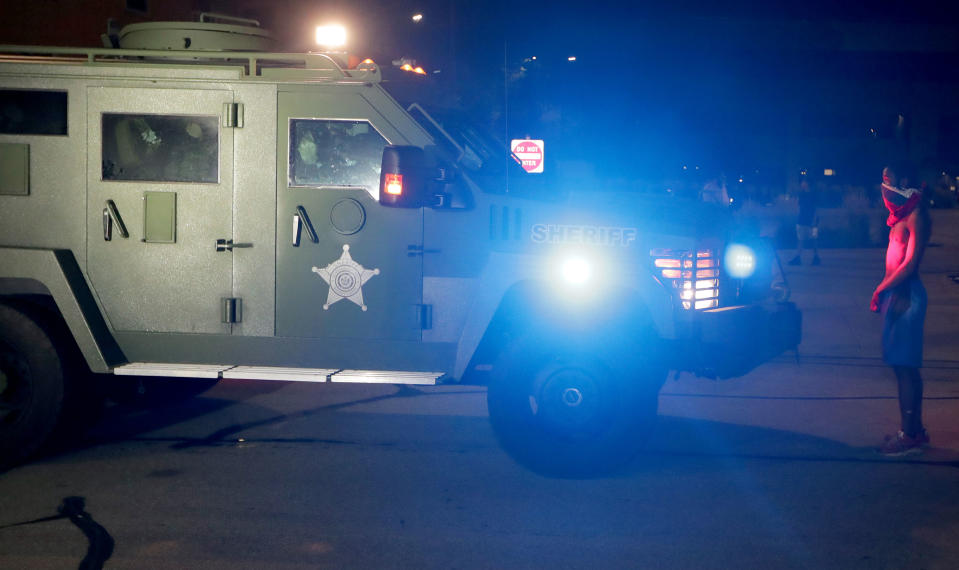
(417, 18)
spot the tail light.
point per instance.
(693, 275)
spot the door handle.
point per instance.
(300, 218)
(107, 225)
(228, 245)
(111, 215)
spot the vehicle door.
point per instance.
(347, 267)
(160, 185)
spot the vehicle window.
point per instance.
(335, 153)
(160, 148)
(25, 112)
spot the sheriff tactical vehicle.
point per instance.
(186, 203)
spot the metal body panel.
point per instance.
(500, 274)
(168, 287)
(254, 209)
(457, 241)
(452, 300)
(60, 276)
(487, 251)
(356, 282)
(408, 131)
(46, 218)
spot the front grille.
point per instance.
(694, 276)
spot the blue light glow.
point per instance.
(576, 271)
(740, 261)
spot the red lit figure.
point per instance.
(901, 298)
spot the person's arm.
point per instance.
(916, 224)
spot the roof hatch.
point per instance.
(205, 35)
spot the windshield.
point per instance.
(460, 143)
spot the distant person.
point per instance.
(714, 192)
(901, 299)
(807, 224)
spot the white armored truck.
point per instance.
(189, 204)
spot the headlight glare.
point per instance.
(576, 271)
(740, 261)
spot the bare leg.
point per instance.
(910, 399)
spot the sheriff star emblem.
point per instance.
(345, 278)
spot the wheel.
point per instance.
(32, 385)
(563, 411)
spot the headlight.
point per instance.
(740, 261)
(576, 271)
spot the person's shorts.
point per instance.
(807, 232)
(904, 313)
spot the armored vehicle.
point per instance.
(186, 203)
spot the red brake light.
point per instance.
(393, 184)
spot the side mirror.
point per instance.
(403, 181)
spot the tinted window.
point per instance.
(33, 112)
(335, 153)
(160, 148)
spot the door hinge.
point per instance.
(425, 316)
(232, 309)
(233, 115)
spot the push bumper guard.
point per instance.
(734, 340)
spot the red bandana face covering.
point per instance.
(900, 202)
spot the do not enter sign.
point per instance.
(528, 153)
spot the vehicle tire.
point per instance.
(33, 384)
(563, 411)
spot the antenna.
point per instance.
(506, 155)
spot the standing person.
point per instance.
(714, 191)
(901, 299)
(807, 224)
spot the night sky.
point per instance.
(735, 86)
(654, 87)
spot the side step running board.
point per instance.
(230, 371)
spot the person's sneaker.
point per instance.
(900, 444)
(816, 260)
(795, 261)
(923, 438)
